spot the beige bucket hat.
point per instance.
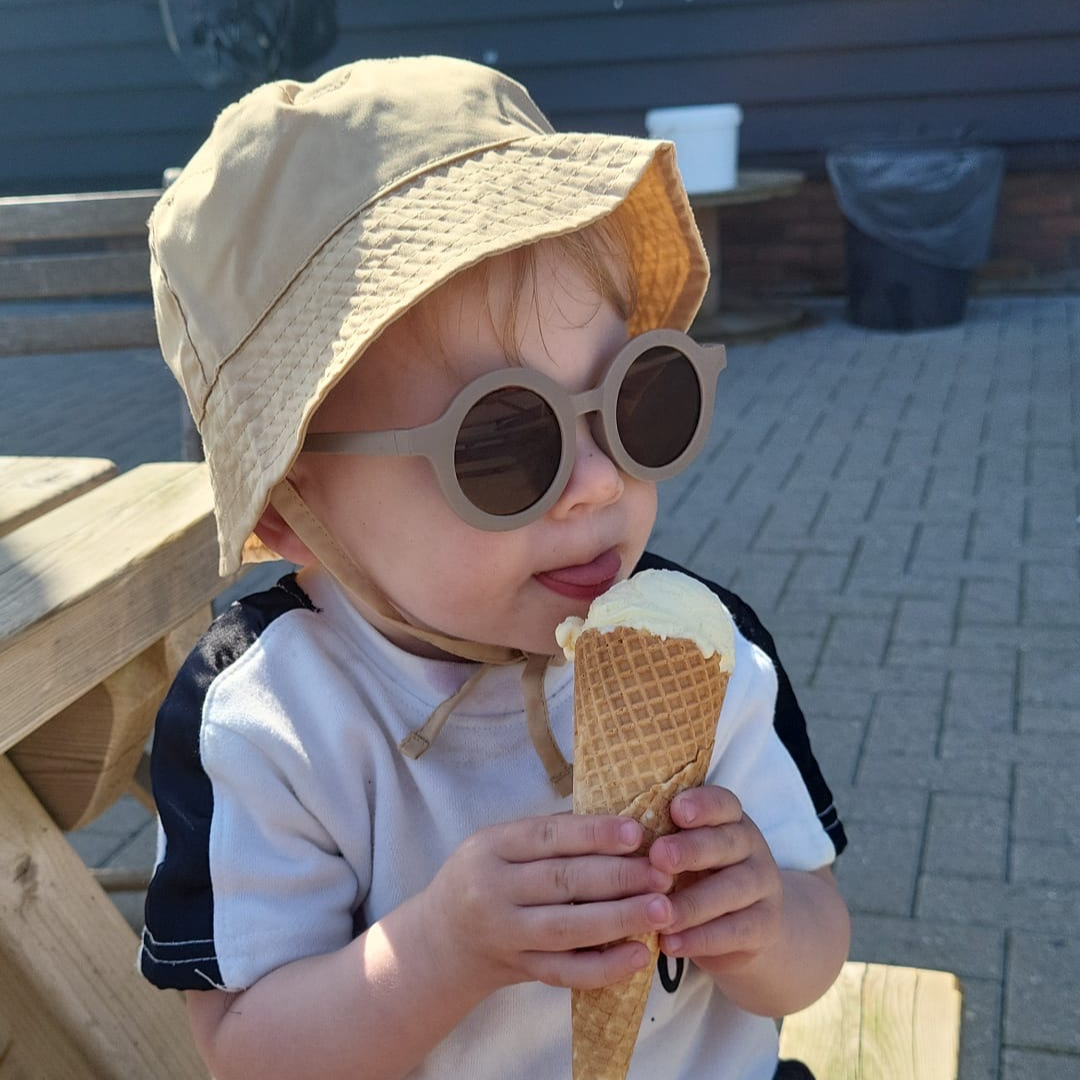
(315, 214)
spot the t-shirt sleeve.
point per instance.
(247, 878)
(763, 750)
(751, 760)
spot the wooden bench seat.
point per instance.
(880, 1022)
(74, 272)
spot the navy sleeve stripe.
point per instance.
(789, 721)
(177, 949)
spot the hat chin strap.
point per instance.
(371, 600)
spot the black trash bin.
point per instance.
(919, 220)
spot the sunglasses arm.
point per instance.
(403, 442)
(716, 354)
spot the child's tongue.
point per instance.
(587, 580)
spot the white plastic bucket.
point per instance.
(706, 139)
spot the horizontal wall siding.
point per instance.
(91, 96)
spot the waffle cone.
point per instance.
(645, 713)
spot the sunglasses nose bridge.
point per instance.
(590, 404)
(597, 407)
(588, 401)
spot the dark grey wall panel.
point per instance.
(90, 95)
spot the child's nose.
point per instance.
(595, 479)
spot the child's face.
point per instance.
(506, 588)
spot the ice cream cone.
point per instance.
(645, 714)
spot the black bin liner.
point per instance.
(919, 221)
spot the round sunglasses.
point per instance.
(504, 449)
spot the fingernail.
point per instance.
(687, 811)
(658, 910)
(672, 944)
(628, 833)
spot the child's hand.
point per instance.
(732, 907)
(538, 899)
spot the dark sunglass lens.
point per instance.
(507, 451)
(659, 407)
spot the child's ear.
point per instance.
(277, 535)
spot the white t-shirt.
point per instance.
(291, 820)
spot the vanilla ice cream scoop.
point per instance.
(662, 602)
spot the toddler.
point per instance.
(435, 352)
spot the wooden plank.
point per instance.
(65, 217)
(81, 761)
(72, 948)
(939, 1007)
(31, 486)
(28, 330)
(827, 1034)
(106, 273)
(120, 879)
(6, 1040)
(879, 1022)
(137, 556)
(37, 1049)
(888, 1023)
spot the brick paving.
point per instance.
(902, 510)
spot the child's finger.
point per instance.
(560, 927)
(586, 877)
(707, 848)
(738, 933)
(561, 835)
(589, 969)
(714, 896)
(709, 805)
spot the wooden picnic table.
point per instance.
(716, 319)
(101, 595)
